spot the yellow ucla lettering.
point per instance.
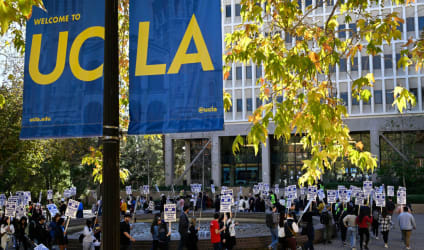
(34, 59)
(141, 67)
(77, 70)
(202, 56)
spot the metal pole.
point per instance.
(110, 219)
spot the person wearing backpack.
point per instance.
(325, 219)
(290, 230)
(230, 233)
(271, 220)
(164, 235)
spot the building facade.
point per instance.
(382, 129)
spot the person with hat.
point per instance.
(125, 232)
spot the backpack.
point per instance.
(324, 218)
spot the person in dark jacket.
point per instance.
(217, 204)
(20, 233)
(154, 230)
(193, 235)
(41, 233)
(309, 230)
(60, 234)
(183, 228)
(164, 235)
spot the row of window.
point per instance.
(378, 99)
(307, 3)
(365, 63)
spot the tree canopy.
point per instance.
(302, 73)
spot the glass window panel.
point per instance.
(249, 72)
(410, 24)
(239, 73)
(239, 105)
(249, 105)
(388, 64)
(228, 10)
(238, 8)
(342, 34)
(378, 97)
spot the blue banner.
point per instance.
(63, 82)
(175, 66)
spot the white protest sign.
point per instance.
(227, 192)
(312, 193)
(390, 191)
(261, 186)
(67, 193)
(128, 190)
(73, 191)
(401, 197)
(196, 188)
(277, 189)
(380, 199)
(27, 196)
(321, 194)
(225, 205)
(347, 193)
(146, 189)
(72, 208)
(2, 200)
(331, 196)
(10, 209)
(52, 209)
(41, 247)
(49, 194)
(256, 189)
(266, 187)
(360, 199)
(213, 188)
(367, 188)
(170, 212)
(20, 211)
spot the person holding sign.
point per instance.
(60, 235)
(164, 235)
(7, 230)
(216, 232)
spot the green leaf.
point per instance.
(2, 101)
(239, 141)
(402, 98)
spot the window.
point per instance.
(354, 101)
(400, 27)
(421, 23)
(414, 91)
(288, 38)
(239, 73)
(376, 62)
(258, 102)
(342, 34)
(378, 97)
(354, 66)
(231, 108)
(230, 76)
(343, 96)
(228, 10)
(365, 63)
(410, 24)
(388, 64)
(330, 2)
(308, 2)
(239, 105)
(389, 96)
(249, 105)
(249, 72)
(279, 99)
(258, 71)
(238, 8)
(342, 65)
(397, 59)
(352, 26)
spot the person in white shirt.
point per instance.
(241, 204)
(7, 230)
(87, 242)
(246, 203)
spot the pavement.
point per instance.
(417, 238)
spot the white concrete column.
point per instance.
(216, 161)
(169, 161)
(187, 177)
(266, 162)
(375, 148)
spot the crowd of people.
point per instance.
(289, 226)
